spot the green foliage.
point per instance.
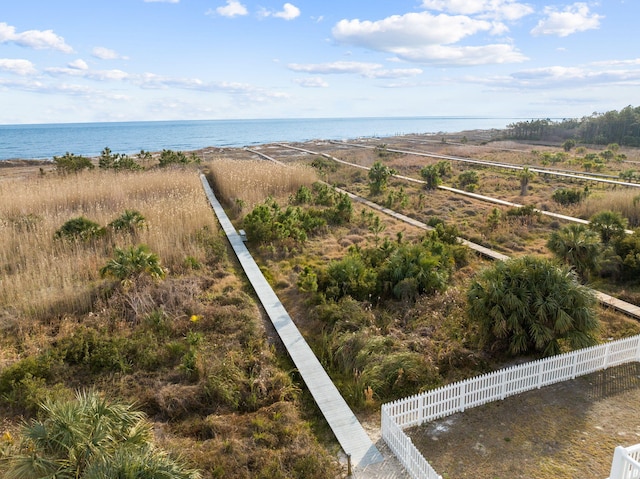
(609, 225)
(525, 175)
(80, 229)
(129, 222)
(91, 437)
(468, 180)
(627, 250)
(568, 196)
(116, 161)
(379, 175)
(70, 163)
(350, 276)
(431, 175)
(170, 157)
(530, 304)
(576, 246)
(568, 144)
(393, 270)
(131, 262)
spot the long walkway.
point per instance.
(348, 431)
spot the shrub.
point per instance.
(129, 222)
(530, 304)
(566, 196)
(134, 261)
(170, 157)
(80, 228)
(70, 163)
(468, 180)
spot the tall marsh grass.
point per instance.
(41, 276)
(251, 182)
(626, 202)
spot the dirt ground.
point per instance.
(564, 431)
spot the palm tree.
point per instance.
(531, 304)
(431, 175)
(577, 246)
(524, 176)
(609, 225)
(90, 438)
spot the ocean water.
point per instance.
(89, 139)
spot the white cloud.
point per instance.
(496, 9)
(107, 54)
(288, 12)
(98, 75)
(233, 8)
(426, 38)
(366, 70)
(596, 74)
(37, 39)
(574, 18)
(17, 66)
(314, 82)
(78, 64)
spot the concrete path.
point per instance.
(348, 431)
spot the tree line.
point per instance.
(621, 127)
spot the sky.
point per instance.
(73, 61)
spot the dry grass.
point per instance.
(41, 276)
(626, 202)
(250, 182)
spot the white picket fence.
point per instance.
(456, 397)
(626, 463)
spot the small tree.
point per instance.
(525, 175)
(431, 175)
(378, 176)
(568, 144)
(530, 304)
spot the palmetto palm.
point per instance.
(132, 262)
(91, 438)
(524, 176)
(577, 246)
(531, 304)
(609, 225)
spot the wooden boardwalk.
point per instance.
(348, 431)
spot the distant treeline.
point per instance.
(621, 127)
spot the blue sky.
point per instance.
(125, 60)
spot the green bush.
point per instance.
(70, 163)
(468, 180)
(132, 262)
(129, 222)
(566, 196)
(530, 304)
(170, 157)
(81, 229)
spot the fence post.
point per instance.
(462, 395)
(617, 465)
(606, 356)
(574, 358)
(638, 351)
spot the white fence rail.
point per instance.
(456, 397)
(626, 463)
